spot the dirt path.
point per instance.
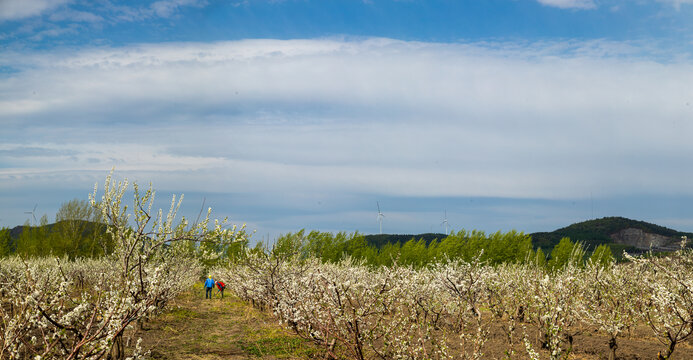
(200, 329)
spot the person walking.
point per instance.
(221, 286)
(209, 286)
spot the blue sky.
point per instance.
(507, 114)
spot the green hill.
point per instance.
(602, 231)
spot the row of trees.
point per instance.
(492, 249)
(81, 231)
(451, 310)
(60, 308)
(78, 232)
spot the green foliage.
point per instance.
(236, 251)
(209, 253)
(566, 253)
(537, 258)
(5, 242)
(494, 249)
(34, 241)
(77, 232)
(510, 247)
(289, 245)
(414, 253)
(602, 256)
(388, 255)
(379, 240)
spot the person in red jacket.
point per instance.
(221, 286)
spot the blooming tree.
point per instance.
(81, 309)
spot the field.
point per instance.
(194, 328)
(144, 301)
(473, 310)
(295, 307)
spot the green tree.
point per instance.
(357, 247)
(5, 242)
(26, 242)
(79, 230)
(289, 245)
(316, 243)
(566, 252)
(413, 253)
(33, 240)
(433, 251)
(602, 256)
(334, 247)
(539, 258)
(237, 251)
(389, 254)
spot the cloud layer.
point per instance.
(330, 120)
(569, 4)
(19, 9)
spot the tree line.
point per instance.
(78, 232)
(493, 249)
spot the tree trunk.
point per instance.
(612, 346)
(117, 350)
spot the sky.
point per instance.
(290, 114)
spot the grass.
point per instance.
(203, 329)
(277, 345)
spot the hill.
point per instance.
(619, 232)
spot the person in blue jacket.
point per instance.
(209, 286)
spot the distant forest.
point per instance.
(496, 248)
(78, 232)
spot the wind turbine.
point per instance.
(380, 218)
(445, 221)
(33, 213)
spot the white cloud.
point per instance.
(677, 3)
(547, 120)
(53, 31)
(569, 4)
(166, 8)
(20, 9)
(162, 9)
(76, 16)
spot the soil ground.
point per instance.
(199, 329)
